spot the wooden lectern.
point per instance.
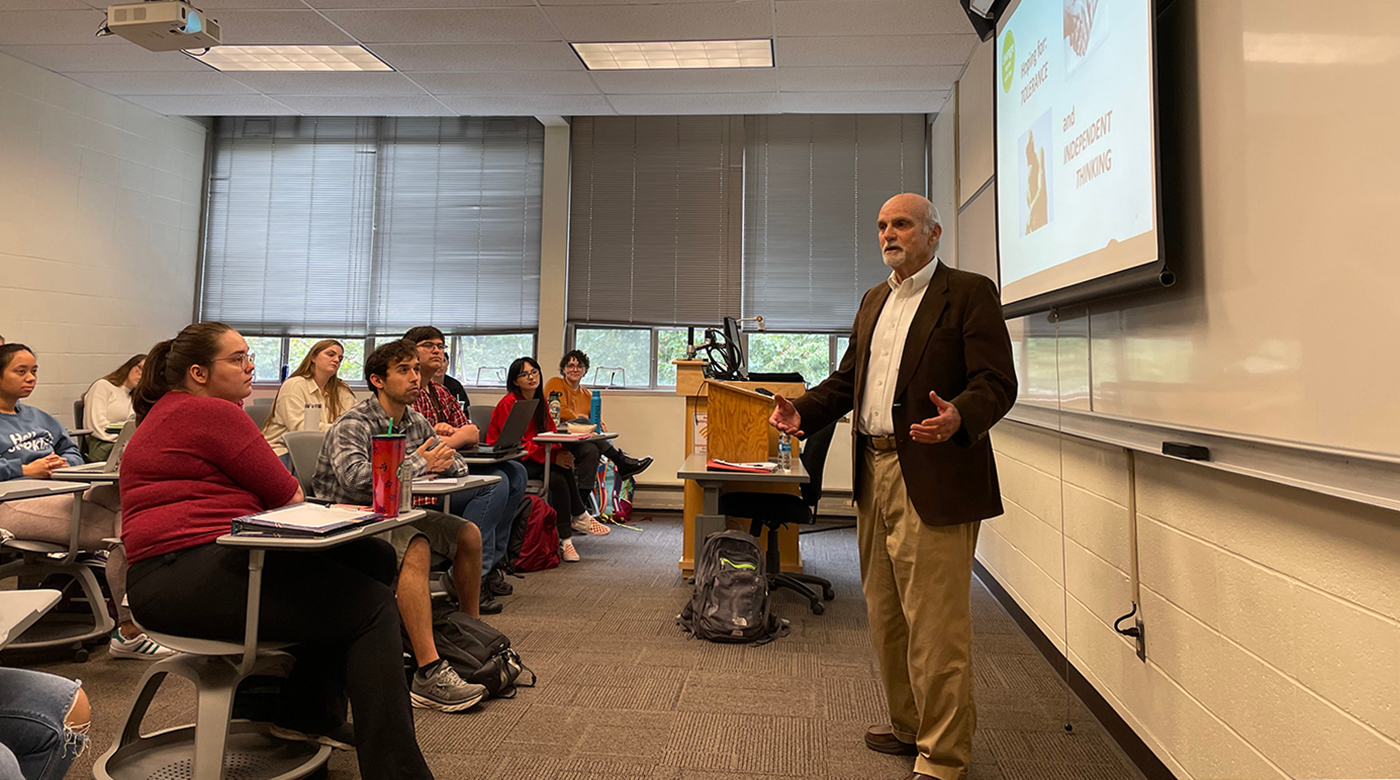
(737, 430)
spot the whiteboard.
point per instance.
(1286, 316)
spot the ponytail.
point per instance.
(169, 363)
(152, 386)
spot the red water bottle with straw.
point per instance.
(386, 455)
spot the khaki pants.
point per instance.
(917, 580)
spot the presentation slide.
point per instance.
(1076, 165)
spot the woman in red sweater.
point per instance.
(523, 379)
(196, 462)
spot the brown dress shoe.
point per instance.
(881, 739)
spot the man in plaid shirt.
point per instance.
(440, 407)
(344, 475)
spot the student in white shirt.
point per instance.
(108, 402)
(313, 384)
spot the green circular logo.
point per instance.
(1008, 61)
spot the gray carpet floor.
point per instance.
(623, 695)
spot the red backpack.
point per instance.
(540, 550)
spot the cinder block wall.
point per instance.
(1272, 613)
(99, 227)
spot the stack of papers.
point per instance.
(752, 468)
(303, 520)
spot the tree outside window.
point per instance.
(267, 357)
(618, 357)
(482, 361)
(809, 354)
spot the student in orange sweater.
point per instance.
(575, 401)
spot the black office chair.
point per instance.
(774, 510)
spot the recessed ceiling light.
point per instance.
(298, 59)
(659, 55)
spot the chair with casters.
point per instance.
(39, 560)
(774, 510)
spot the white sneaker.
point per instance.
(139, 646)
(444, 690)
(567, 551)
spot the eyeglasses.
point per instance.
(531, 374)
(574, 366)
(241, 360)
(433, 346)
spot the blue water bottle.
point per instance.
(595, 409)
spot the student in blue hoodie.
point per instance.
(32, 445)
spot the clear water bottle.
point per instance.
(784, 452)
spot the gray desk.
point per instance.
(551, 439)
(20, 609)
(709, 520)
(90, 476)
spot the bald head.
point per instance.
(909, 233)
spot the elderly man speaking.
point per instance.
(928, 372)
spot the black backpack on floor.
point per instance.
(477, 652)
(730, 602)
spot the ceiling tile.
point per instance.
(108, 54)
(319, 105)
(887, 50)
(362, 84)
(170, 83)
(870, 17)
(655, 82)
(213, 6)
(728, 103)
(917, 79)
(210, 105)
(18, 27)
(44, 5)
(498, 25)
(634, 2)
(252, 27)
(862, 102)
(573, 82)
(529, 105)
(667, 22)
(478, 57)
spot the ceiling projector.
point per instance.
(163, 25)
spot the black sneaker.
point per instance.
(630, 466)
(490, 606)
(496, 583)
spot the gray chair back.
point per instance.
(79, 406)
(305, 449)
(259, 413)
(481, 415)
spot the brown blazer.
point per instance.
(957, 346)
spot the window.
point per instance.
(351, 225)
(482, 361)
(809, 354)
(267, 358)
(670, 345)
(618, 357)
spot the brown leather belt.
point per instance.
(880, 443)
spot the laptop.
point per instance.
(508, 443)
(108, 466)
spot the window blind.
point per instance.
(288, 226)
(655, 234)
(814, 185)
(361, 226)
(458, 244)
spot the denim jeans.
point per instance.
(512, 473)
(34, 743)
(485, 507)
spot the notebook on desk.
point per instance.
(303, 520)
(508, 443)
(108, 466)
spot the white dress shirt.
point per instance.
(886, 349)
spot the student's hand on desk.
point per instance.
(443, 429)
(936, 430)
(466, 436)
(42, 468)
(439, 458)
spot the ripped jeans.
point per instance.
(34, 742)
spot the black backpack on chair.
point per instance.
(730, 602)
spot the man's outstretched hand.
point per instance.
(785, 417)
(936, 430)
